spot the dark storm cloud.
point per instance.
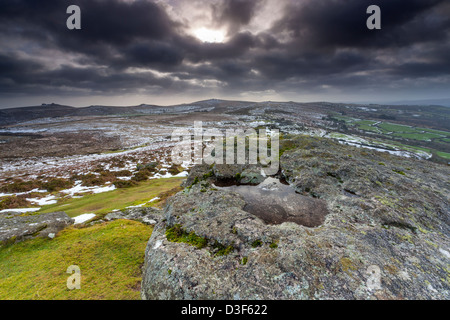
(420, 69)
(235, 13)
(114, 34)
(284, 66)
(15, 67)
(111, 22)
(331, 37)
(95, 80)
(328, 24)
(314, 43)
(107, 26)
(152, 54)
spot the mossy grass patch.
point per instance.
(110, 256)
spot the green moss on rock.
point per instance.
(257, 243)
(177, 234)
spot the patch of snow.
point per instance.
(161, 176)
(43, 201)
(143, 204)
(367, 109)
(22, 193)
(182, 174)
(104, 189)
(444, 252)
(137, 206)
(157, 244)
(23, 210)
(397, 153)
(78, 188)
(83, 218)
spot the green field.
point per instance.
(443, 154)
(367, 125)
(365, 122)
(390, 127)
(438, 132)
(425, 136)
(392, 132)
(103, 203)
(110, 256)
(343, 118)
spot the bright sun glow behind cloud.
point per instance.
(208, 35)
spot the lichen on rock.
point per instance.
(385, 236)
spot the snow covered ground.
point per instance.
(82, 164)
(51, 199)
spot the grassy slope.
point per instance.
(117, 199)
(109, 255)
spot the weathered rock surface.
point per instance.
(147, 215)
(386, 235)
(225, 174)
(16, 227)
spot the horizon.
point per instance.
(167, 52)
(444, 102)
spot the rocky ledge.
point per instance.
(16, 227)
(383, 232)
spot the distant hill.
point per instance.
(428, 102)
(16, 115)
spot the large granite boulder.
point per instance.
(16, 227)
(384, 233)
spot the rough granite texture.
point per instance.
(16, 227)
(386, 235)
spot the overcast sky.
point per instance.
(130, 52)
